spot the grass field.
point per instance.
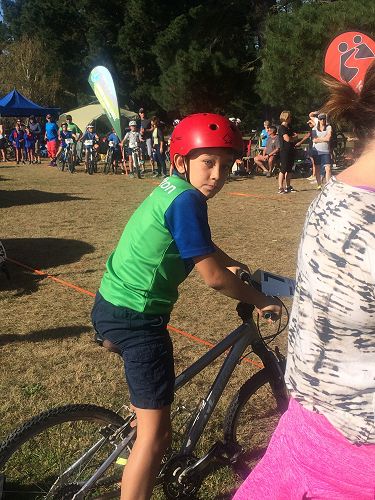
(66, 225)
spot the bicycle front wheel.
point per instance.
(108, 162)
(251, 419)
(70, 162)
(38, 452)
(91, 164)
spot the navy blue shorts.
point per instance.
(146, 349)
(323, 160)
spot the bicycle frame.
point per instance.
(237, 341)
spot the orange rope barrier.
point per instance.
(193, 338)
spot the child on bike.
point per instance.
(64, 134)
(89, 136)
(131, 140)
(164, 239)
(115, 140)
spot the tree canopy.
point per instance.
(243, 58)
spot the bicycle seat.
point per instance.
(110, 346)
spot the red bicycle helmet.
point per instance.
(205, 130)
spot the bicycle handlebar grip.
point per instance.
(245, 276)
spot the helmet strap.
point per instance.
(186, 169)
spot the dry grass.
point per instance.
(67, 225)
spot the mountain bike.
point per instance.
(67, 156)
(78, 451)
(91, 161)
(108, 164)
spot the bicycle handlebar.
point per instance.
(246, 278)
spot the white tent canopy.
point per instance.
(93, 112)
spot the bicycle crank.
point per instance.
(175, 485)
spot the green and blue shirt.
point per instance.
(156, 250)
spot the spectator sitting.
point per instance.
(266, 161)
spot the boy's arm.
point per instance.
(218, 277)
(228, 261)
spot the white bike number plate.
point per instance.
(88, 143)
(272, 284)
(69, 141)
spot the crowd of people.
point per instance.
(31, 140)
(278, 145)
(274, 153)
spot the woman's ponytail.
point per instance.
(356, 109)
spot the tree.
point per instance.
(210, 65)
(293, 55)
(24, 65)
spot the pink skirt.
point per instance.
(307, 458)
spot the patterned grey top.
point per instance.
(331, 350)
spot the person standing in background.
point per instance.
(51, 137)
(145, 131)
(36, 130)
(286, 137)
(158, 144)
(17, 140)
(3, 143)
(76, 132)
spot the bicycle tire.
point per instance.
(31, 477)
(61, 161)
(108, 162)
(90, 164)
(251, 419)
(70, 161)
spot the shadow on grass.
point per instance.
(42, 335)
(33, 197)
(39, 254)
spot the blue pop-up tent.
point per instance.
(15, 104)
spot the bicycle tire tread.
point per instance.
(18, 436)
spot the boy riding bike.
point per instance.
(164, 239)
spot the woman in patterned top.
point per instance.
(324, 445)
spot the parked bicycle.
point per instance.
(73, 452)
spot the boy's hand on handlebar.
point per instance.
(238, 269)
(273, 307)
